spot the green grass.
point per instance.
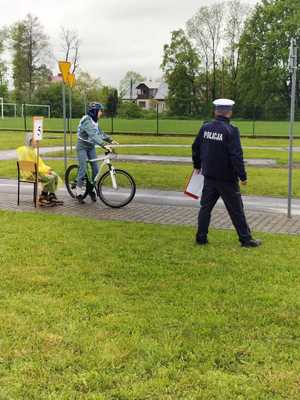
(268, 142)
(281, 157)
(165, 125)
(132, 311)
(12, 140)
(261, 181)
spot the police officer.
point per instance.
(217, 152)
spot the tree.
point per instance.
(19, 60)
(237, 13)
(205, 28)
(51, 94)
(264, 48)
(130, 80)
(43, 75)
(88, 87)
(29, 45)
(3, 66)
(70, 46)
(180, 65)
(112, 102)
(130, 110)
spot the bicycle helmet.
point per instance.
(93, 110)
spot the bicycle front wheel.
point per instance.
(116, 189)
(71, 181)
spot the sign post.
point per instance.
(71, 83)
(2, 112)
(157, 126)
(38, 125)
(64, 67)
(293, 72)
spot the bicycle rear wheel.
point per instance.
(120, 194)
(71, 181)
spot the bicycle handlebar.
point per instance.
(106, 152)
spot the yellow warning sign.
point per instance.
(71, 80)
(64, 67)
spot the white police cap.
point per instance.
(223, 103)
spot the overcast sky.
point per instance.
(116, 35)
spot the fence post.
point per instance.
(253, 122)
(293, 67)
(157, 120)
(24, 115)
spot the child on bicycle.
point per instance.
(89, 135)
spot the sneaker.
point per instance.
(79, 191)
(93, 196)
(80, 199)
(251, 243)
(53, 199)
(44, 201)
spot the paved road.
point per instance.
(172, 198)
(161, 207)
(265, 162)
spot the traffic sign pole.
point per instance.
(70, 119)
(68, 79)
(293, 71)
(71, 82)
(65, 124)
(64, 67)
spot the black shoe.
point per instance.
(201, 242)
(93, 196)
(44, 201)
(80, 199)
(53, 199)
(251, 243)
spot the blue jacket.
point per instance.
(217, 151)
(90, 134)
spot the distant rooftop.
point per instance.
(150, 84)
(161, 87)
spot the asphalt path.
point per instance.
(172, 198)
(265, 162)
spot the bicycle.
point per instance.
(116, 188)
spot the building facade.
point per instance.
(148, 95)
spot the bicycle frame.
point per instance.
(106, 162)
(115, 187)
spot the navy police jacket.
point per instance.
(217, 151)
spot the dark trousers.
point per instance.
(231, 196)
